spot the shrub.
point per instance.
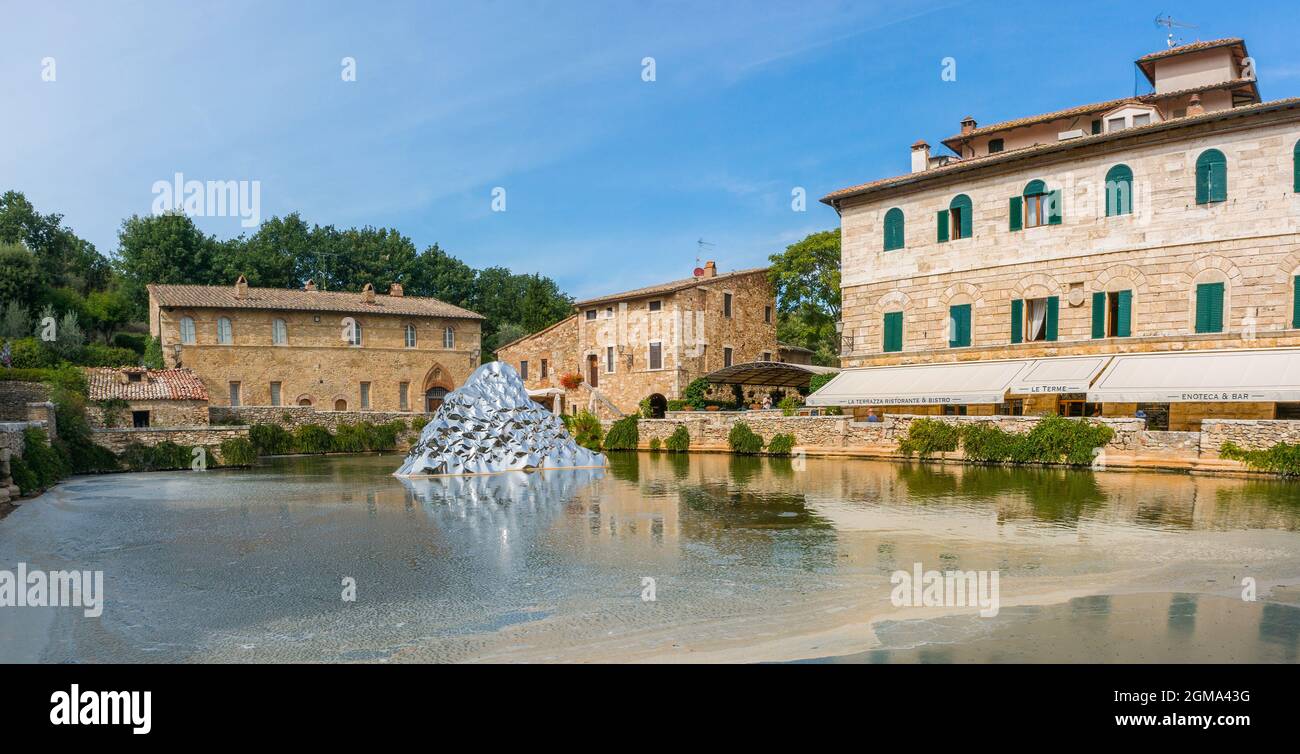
(622, 434)
(1054, 439)
(23, 476)
(350, 438)
(789, 406)
(384, 436)
(695, 392)
(43, 460)
(1282, 458)
(679, 441)
(743, 440)
(676, 405)
(238, 451)
(133, 341)
(270, 439)
(164, 455)
(312, 438)
(587, 431)
(98, 355)
(153, 355)
(30, 353)
(418, 423)
(925, 437)
(643, 408)
(781, 444)
(654, 444)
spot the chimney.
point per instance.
(920, 156)
(395, 289)
(310, 286)
(368, 293)
(1194, 106)
(967, 125)
(710, 269)
(241, 287)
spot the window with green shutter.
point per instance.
(1112, 314)
(1295, 162)
(893, 340)
(941, 222)
(1119, 191)
(1123, 313)
(894, 229)
(1211, 177)
(962, 217)
(1041, 207)
(1099, 314)
(1015, 213)
(1053, 314)
(1055, 209)
(959, 325)
(1209, 308)
(1017, 320)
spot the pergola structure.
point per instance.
(768, 374)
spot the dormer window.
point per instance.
(995, 146)
(133, 376)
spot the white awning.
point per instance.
(921, 384)
(1264, 375)
(1061, 374)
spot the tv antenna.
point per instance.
(700, 246)
(1170, 23)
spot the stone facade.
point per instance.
(315, 365)
(15, 395)
(609, 340)
(1159, 252)
(162, 413)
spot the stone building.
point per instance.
(139, 398)
(332, 350)
(1165, 222)
(650, 342)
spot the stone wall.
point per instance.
(292, 417)
(1251, 435)
(15, 395)
(117, 440)
(161, 414)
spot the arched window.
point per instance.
(1035, 206)
(448, 338)
(1119, 191)
(894, 229)
(187, 330)
(279, 332)
(956, 221)
(224, 334)
(1211, 177)
(410, 336)
(340, 404)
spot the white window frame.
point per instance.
(187, 331)
(236, 394)
(610, 359)
(279, 332)
(277, 393)
(449, 337)
(225, 331)
(365, 396)
(411, 338)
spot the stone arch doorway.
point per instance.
(437, 383)
(658, 405)
(340, 404)
(304, 400)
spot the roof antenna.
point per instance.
(699, 251)
(1170, 23)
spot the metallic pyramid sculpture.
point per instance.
(490, 425)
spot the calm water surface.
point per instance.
(752, 559)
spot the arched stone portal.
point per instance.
(437, 383)
(658, 405)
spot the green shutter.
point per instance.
(1124, 318)
(1295, 159)
(1295, 303)
(960, 318)
(1054, 207)
(1017, 204)
(1202, 183)
(967, 220)
(943, 225)
(1053, 313)
(1209, 308)
(1218, 181)
(1017, 320)
(893, 229)
(893, 340)
(1099, 315)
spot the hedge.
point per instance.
(781, 444)
(237, 451)
(679, 441)
(270, 439)
(1282, 458)
(1053, 439)
(623, 434)
(744, 440)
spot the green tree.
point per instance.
(15, 322)
(806, 278)
(107, 311)
(62, 258)
(20, 279)
(439, 275)
(166, 248)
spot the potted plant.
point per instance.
(571, 381)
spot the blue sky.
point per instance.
(610, 180)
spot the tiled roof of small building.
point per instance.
(282, 299)
(1191, 47)
(105, 383)
(673, 287)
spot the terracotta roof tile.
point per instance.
(969, 162)
(281, 299)
(673, 287)
(154, 385)
(1191, 47)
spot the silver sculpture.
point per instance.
(490, 425)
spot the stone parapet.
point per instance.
(1248, 434)
(117, 440)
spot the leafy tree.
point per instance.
(107, 311)
(69, 338)
(62, 257)
(20, 280)
(15, 322)
(439, 275)
(166, 248)
(806, 277)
